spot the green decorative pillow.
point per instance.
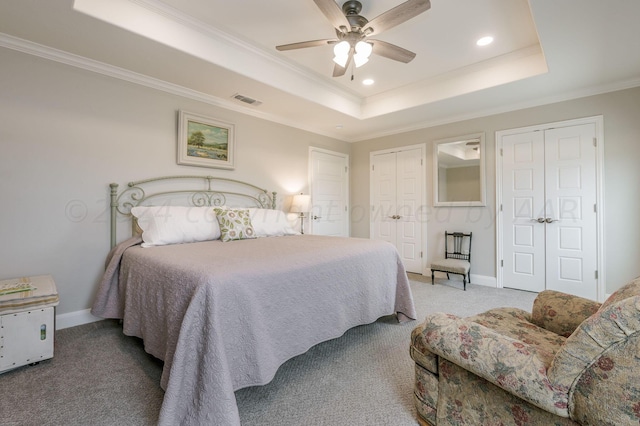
(234, 224)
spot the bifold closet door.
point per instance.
(397, 197)
(549, 210)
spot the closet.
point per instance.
(397, 200)
(548, 192)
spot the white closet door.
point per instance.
(570, 170)
(549, 210)
(522, 204)
(397, 181)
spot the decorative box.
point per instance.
(27, 320)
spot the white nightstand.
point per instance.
(27, 320)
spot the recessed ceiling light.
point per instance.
(484, 41)
(367, 81)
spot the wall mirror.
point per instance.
(458, 171)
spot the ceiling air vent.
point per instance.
(247, 100)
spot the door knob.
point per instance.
(549, 220)
(316, 217)
(539, 220)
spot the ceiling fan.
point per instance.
(353, 31)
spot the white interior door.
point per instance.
(522, 204)
(383, 201)
(397, 186)
(549, 210)
(408, 200)
(329, 193)
(570, 170)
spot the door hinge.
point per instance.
(500, 207)
(595, 208)
(345, 208)
(373, 167)
(346, 169)
(421, 162)
(595, 141)
(501, 152)
(596, 275)
(502, 263)
(420, 255)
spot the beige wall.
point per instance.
(621, 111)
(65, 134)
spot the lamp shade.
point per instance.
(301, 203)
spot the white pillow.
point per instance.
(270, 223)
(162, 225)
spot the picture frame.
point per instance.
(205, 142)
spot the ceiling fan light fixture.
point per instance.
(359, 60)
(341, 52)
(363, 51)
(363, 48)
(341, 60)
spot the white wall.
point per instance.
(66, 133)
(621, 111)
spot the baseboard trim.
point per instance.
(483, 280)
(72, 319)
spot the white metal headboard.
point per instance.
(199, 190)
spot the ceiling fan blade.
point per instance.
(334, 14)
(391, 51)
(339, 71)
(396, 16)
(304, 44)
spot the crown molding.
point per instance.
(91, 65)
(168, 26)
(56, 55)
(567, 96)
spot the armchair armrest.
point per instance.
(515, 366)
(600, 363)
(560, 312)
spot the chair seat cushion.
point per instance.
(456, 266)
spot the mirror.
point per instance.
(458, 171)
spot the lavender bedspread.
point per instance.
(224, 316)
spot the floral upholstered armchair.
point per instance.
(570, 361)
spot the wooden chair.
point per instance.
(456, 260)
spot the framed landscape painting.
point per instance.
(205, 142)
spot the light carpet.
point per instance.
(98, 376)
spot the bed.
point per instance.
(224, 314)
